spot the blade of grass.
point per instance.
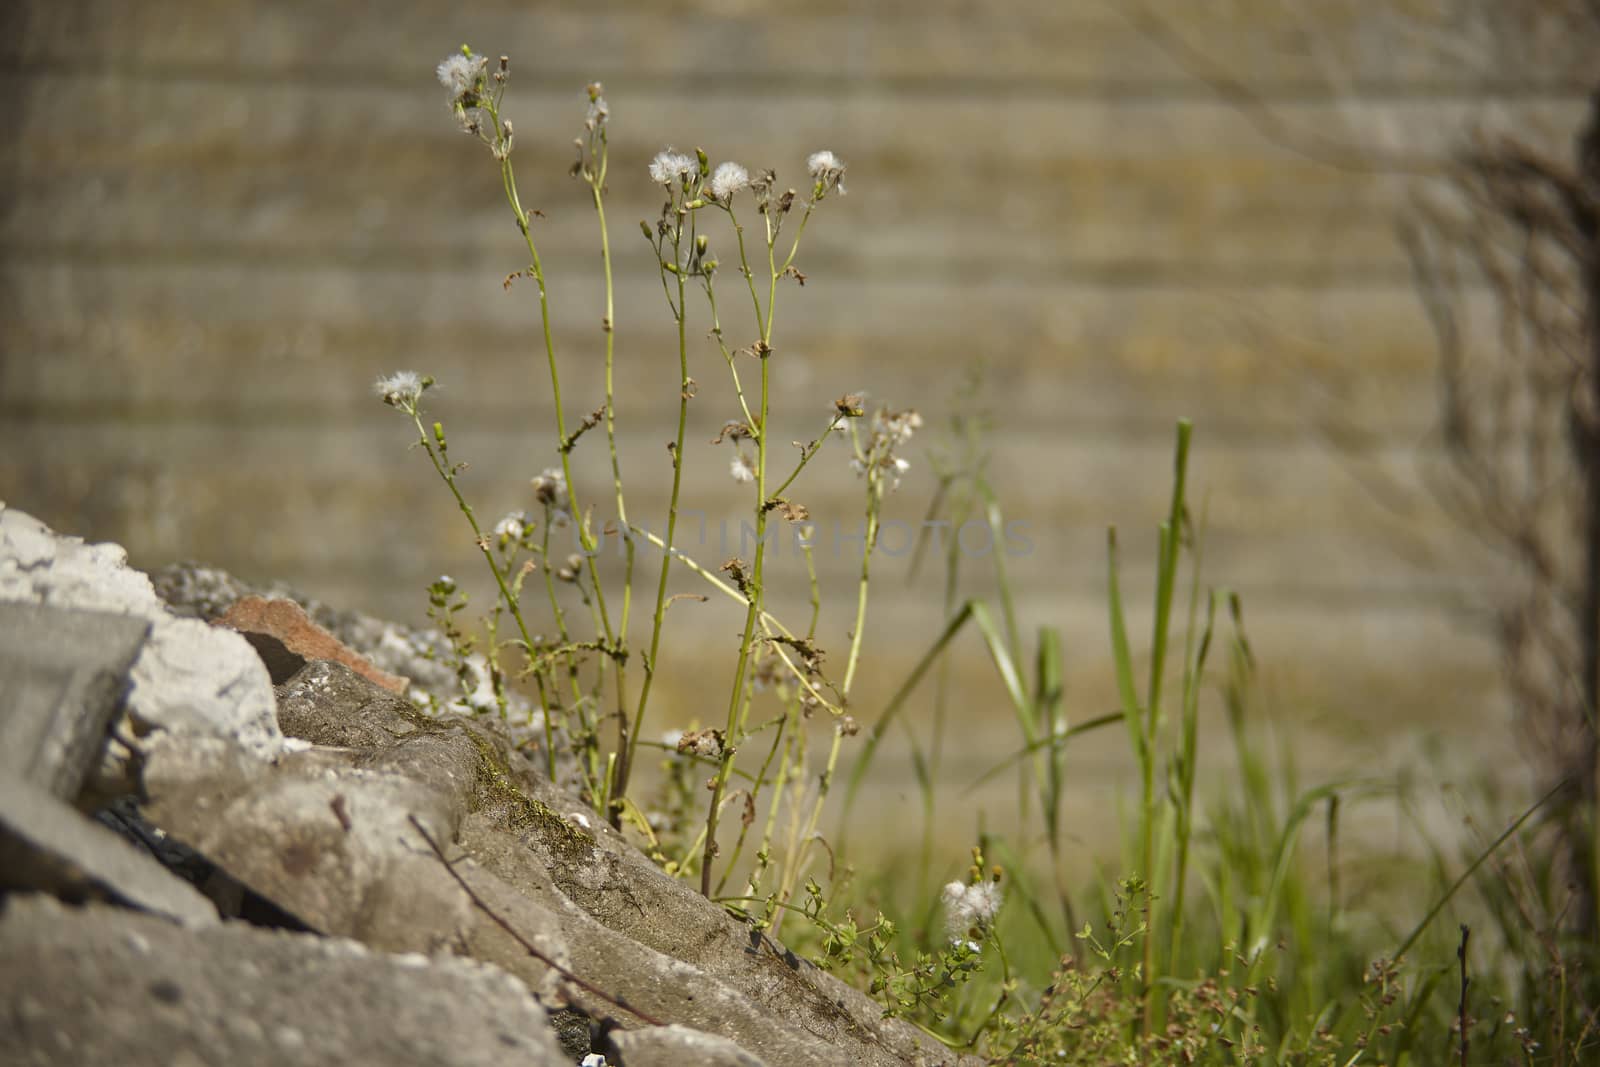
(1260, 928)
(1050, 722)
(1007, 668)
(1108, 719)
(1122, 658)
(1494, 846)
(997, 538)
(892, 709)
(1167, 573)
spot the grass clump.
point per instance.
(1219, 941)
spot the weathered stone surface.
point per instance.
(49, 846)
(329, 704)
(325, 834)
(678, 957)
(99, 985)
(189, 679)
(232, 900)
(326, 841)
(675, 1046)
(286, 639)
(63, 674)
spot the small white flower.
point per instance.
(670, 166)
(728, 179)
(899, 425)
(512, 525)
(460, 74)
(550, 487)
(598, 112)
(671, 738)
(402, 389)
(897, 467)
(741, 469)
(828, 170)
(970, 907)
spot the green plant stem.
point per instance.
(802, 845)
(438, 458)
(625, 737)
(796, 730)
(727, 356)
(585, 754)
(737, 699)
(659, 614)
(874, 503)
(585, 535)
(760, 778)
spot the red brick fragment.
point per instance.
(285, 638)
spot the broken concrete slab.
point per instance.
(189, 678)
(48, 846)
(63, 673)
(675, 1046)
(324, 840)
(99, 985)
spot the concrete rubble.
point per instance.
(322, 872)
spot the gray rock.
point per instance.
(63, 673)
(675, 1046)
(325, 835)
(47, 845)
(189, 679)
(98, 985)
(323, 839)
(327, 703)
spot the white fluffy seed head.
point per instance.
(402, 389)
(821, 162)
(827, 170)
(970, 907)
(669, 167)
(728, 179)
(460, 73)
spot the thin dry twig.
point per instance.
(528, 946)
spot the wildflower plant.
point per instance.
(579, 658)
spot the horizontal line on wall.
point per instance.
(432, 260)
(1118, 427)
(786, 86)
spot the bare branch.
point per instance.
(528, 946)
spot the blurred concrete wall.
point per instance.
(223, 220)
